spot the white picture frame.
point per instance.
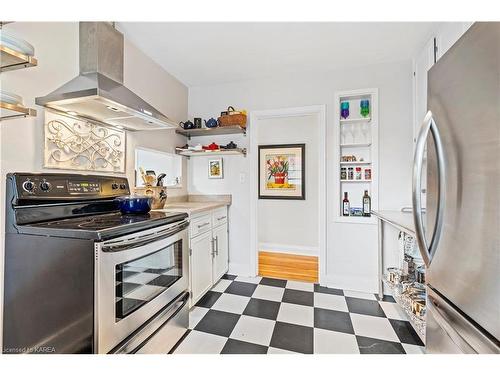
(215, 168)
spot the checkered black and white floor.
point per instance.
(264, 315)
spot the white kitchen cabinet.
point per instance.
(220, 260)
(423, 62)
(209, 250)
(201, 265)
(448, 34)
(435, 48)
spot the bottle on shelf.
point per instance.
(367, 204)
(345, 205)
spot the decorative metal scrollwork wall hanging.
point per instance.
(82, 145)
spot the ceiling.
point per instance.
(203, 53)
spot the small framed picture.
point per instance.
(215, 169)
(282, 171)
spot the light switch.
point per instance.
(242, 178)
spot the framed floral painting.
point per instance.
(282, 171)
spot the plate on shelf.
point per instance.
(17, 44)
(10, 98)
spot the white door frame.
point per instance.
(255, 117)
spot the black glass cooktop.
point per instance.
(105, 225)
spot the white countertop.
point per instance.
(399, 219)
(192, 207)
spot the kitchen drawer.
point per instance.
(219, 216)
(200, 224)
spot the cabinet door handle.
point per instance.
(213, 247)
(221, 218)
(216, 245)
(202, 225)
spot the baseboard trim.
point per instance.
(288, 249)
(239, 269)
(357, 284)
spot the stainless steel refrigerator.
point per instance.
(459, 235)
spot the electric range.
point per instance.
(80, 277)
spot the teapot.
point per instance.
(231, 145)
(186, 125)
(211, 147)
(211, 123)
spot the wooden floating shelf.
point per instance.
(350, 120)
(220, 130)
(356, 145)
(355, 180)
(189, 153)
(355, 162)
(12, 60)
(11, 111)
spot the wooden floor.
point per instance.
(288, 266)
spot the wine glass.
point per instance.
(349, 136)
(352, 130)
(365, 129)
(342, 134)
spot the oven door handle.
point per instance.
(135, 242)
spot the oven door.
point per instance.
(137, 276)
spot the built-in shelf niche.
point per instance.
(356, 136)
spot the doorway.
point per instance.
(288, 237)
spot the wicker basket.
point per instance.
(233, 118)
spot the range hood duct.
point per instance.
(98, 92)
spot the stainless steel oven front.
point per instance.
(137, 275)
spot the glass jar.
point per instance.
(358, 173)
(350, 173)
(343, 173)
(368, 173)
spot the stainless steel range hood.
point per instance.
(98, 92)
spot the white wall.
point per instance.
(56, 48)
(291, 225)
(394, 81)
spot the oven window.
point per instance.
(141, 280)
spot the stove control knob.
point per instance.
(123, 186)
(28, 186)
(114, 186)
(45, 186)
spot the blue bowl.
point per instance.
(135, 204)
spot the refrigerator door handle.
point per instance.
(428, 251)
